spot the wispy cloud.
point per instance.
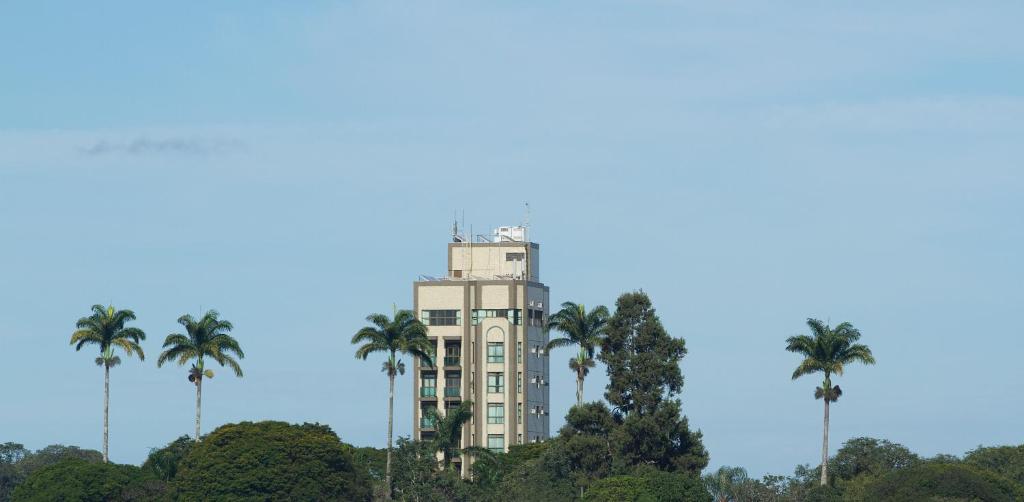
(151, 146)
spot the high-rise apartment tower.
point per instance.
(486, 318)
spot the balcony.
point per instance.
(451, 361)
(426, 422)
(432, 363)
(452, 392)
(428, 391)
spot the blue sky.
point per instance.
(296, 168)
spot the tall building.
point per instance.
(486, 317)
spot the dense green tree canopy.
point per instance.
(1007, 461)
(76, 480)
(272, 461)
(163, 463)
(932, 480)
(17, 462)
(864, 455)
(648, 485)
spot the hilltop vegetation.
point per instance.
(278, 461)
(636, 445)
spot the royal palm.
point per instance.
(828, 351)
(581, 328)
(206, 338)
(402, 335)
(105, 327)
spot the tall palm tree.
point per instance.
(828, 351)
(582, 328)
(447, 439)
(207, 337)
(402, 335)
(105, 327)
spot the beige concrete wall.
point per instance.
(488, 261)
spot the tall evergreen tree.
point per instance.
(644, 380)
(829, 350)
(105, 327)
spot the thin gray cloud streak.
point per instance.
(149, 146)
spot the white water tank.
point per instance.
(513, 234)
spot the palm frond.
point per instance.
(558, 343)
(130, 348)
(85, 336)
(177, 340)
(859, 352)
(226, 360)
(807, 367)
(369, 334)
(134, 334)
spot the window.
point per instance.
(495, 382)
(536, 317)
(515, 256)
(519, 352)
(495, 352)
(481, 314)
(432, 363)
(496, 443)
(452, 384)
(519, 412)
(427, 417)
(451, 355)
(519, 382)
(428, 385)
(441, 317)
(495, 413)
(519, 439)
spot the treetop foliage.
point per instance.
(642, 359)
(272, 461)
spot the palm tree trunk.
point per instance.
(199, 403)
(579, 389)
(106, 410)
(391, 415)
(581, 361)
(824, 449)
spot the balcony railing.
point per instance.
(426, 422)
(452, 392)
(428, 391)
(451, 361)
(432, 363)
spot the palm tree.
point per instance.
(105, 327)
(582, 328)
(402, 335)
(448, 438)
(828, 351)
(207, 337)
(724, 483)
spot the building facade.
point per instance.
(486, 318)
